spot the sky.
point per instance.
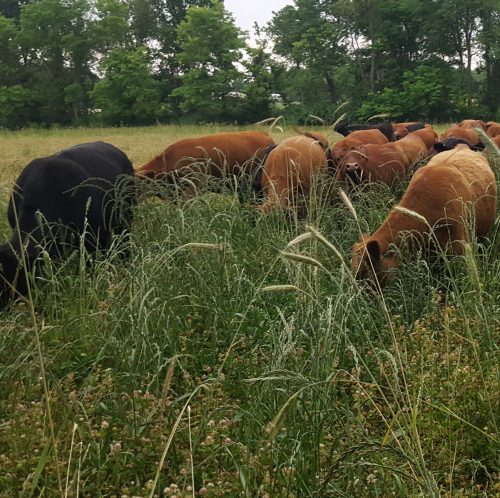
(246, 12)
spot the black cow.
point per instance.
(451, 142)
(415, 127)
(79, 196)
(385, 128)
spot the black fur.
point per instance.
(415, 127)
(451, 142)
(385, 128)
(87, 190)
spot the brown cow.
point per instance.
(428, 136)
(472, 123)
(402, 129)
(290, 168)
(218, 154)
(354, 141)
(468, 134)
(437, 198)
(382, 163)
(493, 129)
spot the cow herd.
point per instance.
(84, 196)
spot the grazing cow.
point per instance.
(385, 128)
(428, 136)
(82, 195)
(234, 153)
(472, 123)
(290, 168)
(438, 197)
(451, 143)
(354, 141)
(402, 129)
(493, 129)
(468, 134)
(384, 163)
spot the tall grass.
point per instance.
(224, 359)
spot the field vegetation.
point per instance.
(230, 358)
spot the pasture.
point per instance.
(221, 361)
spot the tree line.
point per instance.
(110, 62)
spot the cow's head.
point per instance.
(354, 163)
(400, 132)
(370, 262)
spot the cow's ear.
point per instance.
(440, 146)
(362, 151)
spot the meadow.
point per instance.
(235, 356)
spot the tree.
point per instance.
(428, 92)
(60, 42)
(9, 55)
(312, 34)
(128, 94)
(210, 45)
(454, 34)
(154, 23)
(489, 41)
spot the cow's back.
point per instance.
(228, 152)
(295, 157)
(475, 169)
(365, 137)
(90, 182)
(468, 134)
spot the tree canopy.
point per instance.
(71, 62)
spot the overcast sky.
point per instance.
(247, 12)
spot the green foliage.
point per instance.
(313, 35)
(427, 93)
(324, 53)
(259, 84)
(15, 105)
(210, 45)
(128, 92)
(9, 54)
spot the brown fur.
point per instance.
(401, 129)
(223, 153)
(382, 163)
(472, 123)
(440, 193)
(493, 129)
(355, 140)
(427, 135)
(319, 137)
(289, 168)
(496, 141)
(458, 132)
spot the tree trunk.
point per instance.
(331, 88)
